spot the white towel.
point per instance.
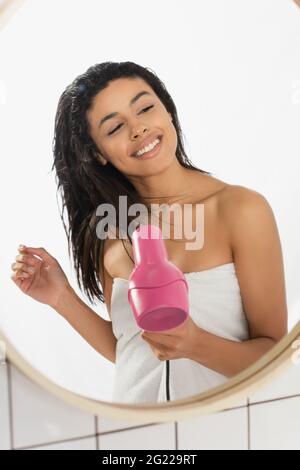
(215, 305)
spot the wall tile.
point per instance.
(78, 444)
(41, 418)
(227, 430)
(275, 425)
(106, 424)
(156, 437)
(286, 384)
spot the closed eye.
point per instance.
(143, 110)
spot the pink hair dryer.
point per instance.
(157, 289)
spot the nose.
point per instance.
(136, 134)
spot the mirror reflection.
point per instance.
(96, 151)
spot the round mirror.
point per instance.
(99, 122)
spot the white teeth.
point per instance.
(148, 148)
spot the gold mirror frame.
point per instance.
(263, 371)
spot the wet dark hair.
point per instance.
(82, 180)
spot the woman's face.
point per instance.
(122, 134)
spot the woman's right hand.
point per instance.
(41, 278)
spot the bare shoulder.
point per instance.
(258, 259)
(236, 201)
(234, 195)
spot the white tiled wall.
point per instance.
(31, 418)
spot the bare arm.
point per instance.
(40, 276)
(94, 329)
(260, 272)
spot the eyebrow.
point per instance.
(132, 101)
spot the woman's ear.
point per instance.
(102, 159)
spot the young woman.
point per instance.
(238, 307)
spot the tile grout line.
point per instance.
(271, 400)
(80, 438)
(112, 431)
(96, 432)
(232, 409)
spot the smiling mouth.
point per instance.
(159, 137)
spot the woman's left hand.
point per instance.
(180, 342)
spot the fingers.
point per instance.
(25, 265)
(22, 267)
(21, 270)
(28, 259)
(41, 252)
(19, 275)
